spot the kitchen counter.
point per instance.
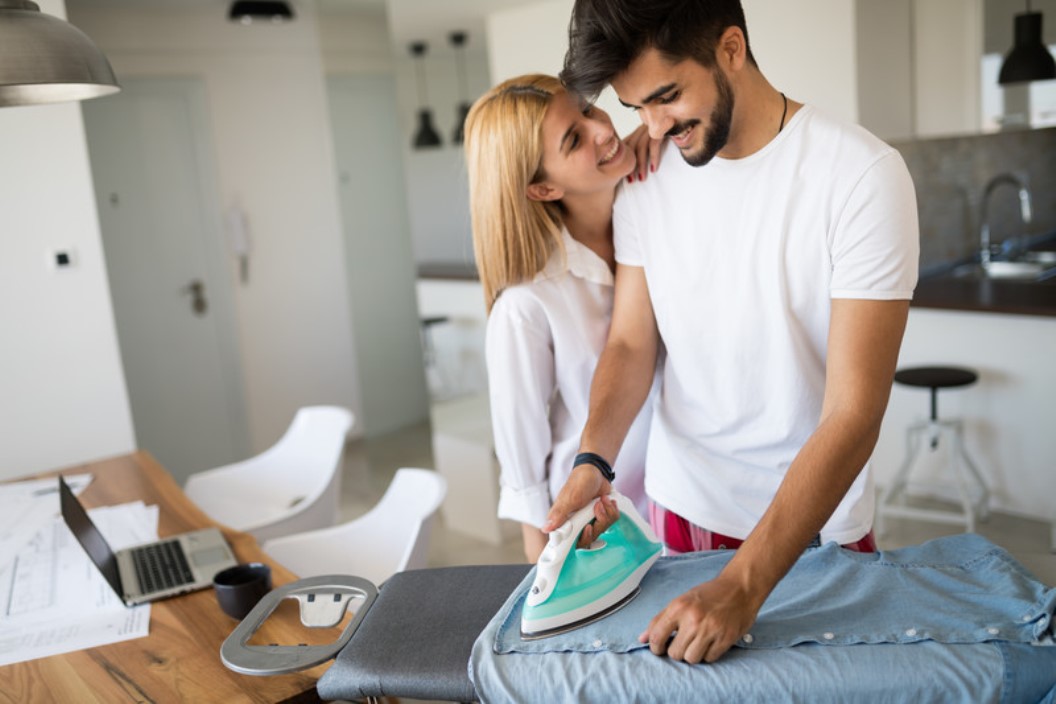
(962, 286)
(448, 271)
(986, 295)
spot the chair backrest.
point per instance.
(391, 537)
(291, 487)
(408, 509)
(308, 455)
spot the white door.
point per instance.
(380, 263)
(167, 265)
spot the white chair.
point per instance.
(291, 487)
(391, 537)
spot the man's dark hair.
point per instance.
(606, 36)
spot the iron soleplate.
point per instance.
(549, 632)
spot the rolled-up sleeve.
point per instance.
(521, 381)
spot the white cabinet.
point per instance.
(1009, 415)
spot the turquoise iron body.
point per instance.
(575, 586)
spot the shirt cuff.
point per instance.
(528, 505)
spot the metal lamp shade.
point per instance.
(1029, 59)
(460, 128)
(426, 135)
(248, 11)
(46, 60)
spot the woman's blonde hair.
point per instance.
(513, 236)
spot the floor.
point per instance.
(370, 464)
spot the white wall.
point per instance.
(808, 51)
(885, 67)
(1008, 414)
(274, 155)
(948, 49)
(437, 188)
(63, 398)
(355, 42)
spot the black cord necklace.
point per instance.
(784, 112)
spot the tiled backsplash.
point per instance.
(950, 176)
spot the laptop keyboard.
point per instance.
(161, 566)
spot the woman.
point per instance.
(543, 171)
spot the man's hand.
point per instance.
(705, 622)
(584, 483)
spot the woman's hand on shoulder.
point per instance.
(646, 151)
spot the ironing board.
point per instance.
(416, 639)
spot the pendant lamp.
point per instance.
(1029, 59)
(458, 40)
(44, 59)
(426, 135)
(250, 11)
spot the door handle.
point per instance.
(196, 289)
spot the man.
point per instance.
(775, 263)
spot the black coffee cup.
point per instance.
(239, 588)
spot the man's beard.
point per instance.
(718, 132)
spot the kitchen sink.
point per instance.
(1025, 271)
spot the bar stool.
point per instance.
(973, 492)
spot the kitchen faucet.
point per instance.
(1025, 210)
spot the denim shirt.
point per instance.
(969, 609)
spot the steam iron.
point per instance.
(576, 586)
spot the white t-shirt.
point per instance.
(543, 343)
(742, 258)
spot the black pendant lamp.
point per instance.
(44, 59)
(426, 135)
(458, 40)
(1029, 59)
(250, 11)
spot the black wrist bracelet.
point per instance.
(597, 461)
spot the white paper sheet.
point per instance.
(26, 507)
(55, 600)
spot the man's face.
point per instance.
(684, 101)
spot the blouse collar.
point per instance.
(579, 260)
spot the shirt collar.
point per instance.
(579, 260)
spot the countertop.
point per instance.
(986, 295)
(455, 271)
(942, 288)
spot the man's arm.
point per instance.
(864, 339)
(621, 384)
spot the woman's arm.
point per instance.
(521, 383)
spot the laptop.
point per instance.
(151, 571)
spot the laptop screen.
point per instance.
(89, 536)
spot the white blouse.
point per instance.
(543, 342)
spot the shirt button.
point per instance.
(597, 644)
(993, 631)
(828, 636)
(748, 638)
(911, 632)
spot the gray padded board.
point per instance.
(416, 639)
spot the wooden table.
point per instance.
(180, 660)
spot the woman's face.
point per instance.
(581, 151)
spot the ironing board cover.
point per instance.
(416, 639)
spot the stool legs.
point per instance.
(968, 480)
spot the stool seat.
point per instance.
(936, 377)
